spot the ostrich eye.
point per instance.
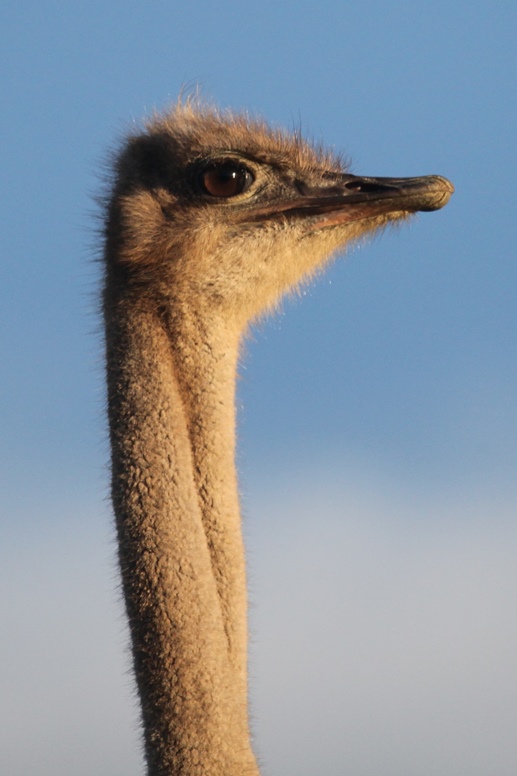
(225, 179)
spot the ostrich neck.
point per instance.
(171, 383)
(204, 360)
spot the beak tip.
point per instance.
(438, 193)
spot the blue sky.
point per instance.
(378, 412)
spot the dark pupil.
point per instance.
(224, 180)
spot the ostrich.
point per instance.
(211, 218)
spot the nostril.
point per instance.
(365, 186)
(354, 186)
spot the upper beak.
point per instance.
(353, 198)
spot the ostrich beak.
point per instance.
(352, 198)
(365, 197)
